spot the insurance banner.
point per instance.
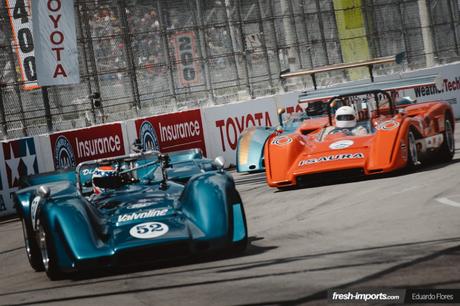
(21, 24)
(55, 42)
(172, 132)
(73, 147)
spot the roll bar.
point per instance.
(109, 160)
(366, 92)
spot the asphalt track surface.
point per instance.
(398, 231)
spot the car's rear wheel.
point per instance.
(447, 149)
(412, 154)
(48, 253)
(31, 246)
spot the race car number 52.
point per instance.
(149, 230)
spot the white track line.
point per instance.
(447, 201)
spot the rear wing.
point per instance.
(398, 59)
(393, 85)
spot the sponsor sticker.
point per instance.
(282, 140)
(33, 210)
(403, 151)
(342, 144)
(330, 158)
(141, 204)
(149, 230)
(142, 215)
(388, 125)
(148, 137)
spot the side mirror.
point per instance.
(281, 111)
(219, 161)
(44, 192)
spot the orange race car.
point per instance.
(367, 133)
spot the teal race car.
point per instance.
(251, 143)
(152, 206)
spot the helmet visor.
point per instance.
(345, 117)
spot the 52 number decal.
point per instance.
(152, 227)
(149, 230)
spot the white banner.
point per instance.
(224, 124)
(56, 42)
(21, 23)
(18, 158)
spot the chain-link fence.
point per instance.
(154, 56)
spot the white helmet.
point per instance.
(345, 117)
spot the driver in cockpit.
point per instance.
(346, 123)
(101, 171)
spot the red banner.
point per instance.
(73, 147)
(172, 132)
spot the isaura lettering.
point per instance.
(330, 158)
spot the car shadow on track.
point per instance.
(250, 250)
(252, 265)
(320, 298)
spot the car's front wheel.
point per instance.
(412, 153)
(447, 149)
(32, 249)
(48, 252)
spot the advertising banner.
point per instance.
(189, 71)
(55, 42)
(172, 132)
(19, 158)
(224, 124)
(72, 147)
(449, 91)
(19, 12)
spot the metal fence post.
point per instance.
(92, 55)
(85, 63)
(46, 104)
(321, 30)
(452, 24)
(231, 31)
(129, 54)
(275, 35)
(198, 20)
(2, 113)
(264, 47)
(164, 41)
(245, 53)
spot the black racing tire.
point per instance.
(447, 149)
(32, 250)
(412, 153)
(48, 251)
